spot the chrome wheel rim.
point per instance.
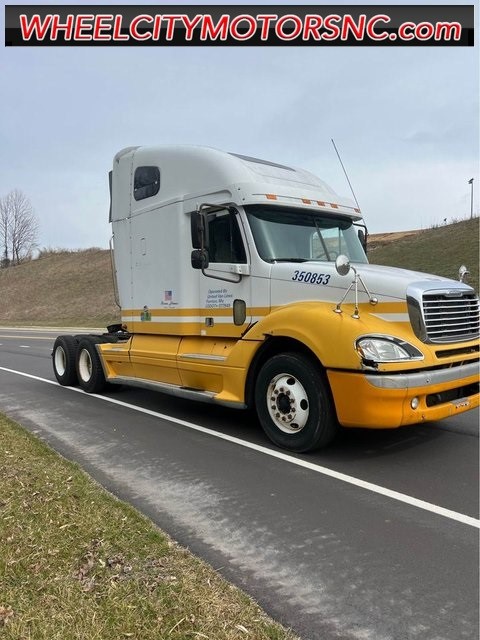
(287, 403)
(84, 365)
(60, 359)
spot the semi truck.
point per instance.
(245, 283)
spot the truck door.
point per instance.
(225, 285)
(224, 289)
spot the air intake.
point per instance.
(450, 316)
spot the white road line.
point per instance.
(368, 486)
(51, 339)
(24, 346)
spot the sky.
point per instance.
(405, 121)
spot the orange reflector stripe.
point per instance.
(320, 203)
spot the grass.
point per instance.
(75, 563)
(439, 251)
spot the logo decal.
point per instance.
(169, 298)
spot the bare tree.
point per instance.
(4, 227)
(18, 228)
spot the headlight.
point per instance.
(386, 349)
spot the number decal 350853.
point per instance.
(310, 277)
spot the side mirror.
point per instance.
(463, 273)
(199, 230)
(362, 236)
(199, 259)
(342, 265)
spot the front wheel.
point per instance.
(89, 368)
(293, 403)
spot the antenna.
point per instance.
(346, 174)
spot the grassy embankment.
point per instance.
(62, 289)
(440, 251)
(77, 564)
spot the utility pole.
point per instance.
(470, 182)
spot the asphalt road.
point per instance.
(375, 538)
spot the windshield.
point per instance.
(291, 235)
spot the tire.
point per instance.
(64, 360)
(293, 403)
(89, 367)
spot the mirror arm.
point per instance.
(343, 267)
(363, 227)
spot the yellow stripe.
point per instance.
(184, 329)
(386, 307)
(173, 311)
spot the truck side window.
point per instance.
(146, 182)
(226, 244)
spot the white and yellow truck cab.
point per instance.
(245, 283)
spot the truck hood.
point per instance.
(385, 283)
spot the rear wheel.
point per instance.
(89, 367)
(64, 356)
(293, 403)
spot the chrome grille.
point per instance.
(450, 316)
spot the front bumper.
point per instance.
(383, 401)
